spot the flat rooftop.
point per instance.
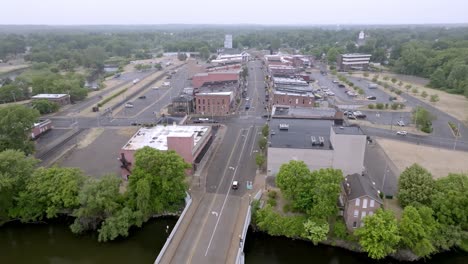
(156, 137)
(348, 130)
(293, 81)
(226, 88)
(305, 112)
(299, 133)
(48, 96)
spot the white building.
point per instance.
(228, 42)
(318, 143)
(354, 61)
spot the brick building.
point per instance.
(188, 141)
(360, 198)
(182, 105)
(201, 78)
(61, 99)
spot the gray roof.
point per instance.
(306, 112)
(299, 133)
(232, 51)
(360, 185)
(348, 130)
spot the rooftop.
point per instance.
(359, 185)
(304, 112)
(299, 133)
(156, 137)
(280, 80)
(349, 55)
(218, 87)
(348, 130)
(48, 96)
(216, 73)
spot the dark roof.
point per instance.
(358, 185)
(348, 130)
(299, 133)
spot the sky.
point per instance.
(267, 12)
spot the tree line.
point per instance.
(28, 194)
(434, 216)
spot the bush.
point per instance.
(332, 67)
(287, 208)
(374, 79)
(360, 91)
(351, 84)
(272, 194)
(424, 94)
(272, 202)
(371, 106)
(379, 106)
(415, 90)
(394, 106)
(402, 106)
(103, 102)
(386, 106)
(398, 92)
(45, 106)
(339, 229)
(366, 74)
(427, 129)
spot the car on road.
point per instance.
(335, 81)
(247, 98)
(359, 114)
(371, 97)
(329, 93)
(166, 84)
(136, 80)
(401, 123)
(235, 185)
(155, 88)
(142, 97)
(401, 133)
(340, 85)
(129, 105)
(351, 117)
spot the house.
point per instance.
(360, 198)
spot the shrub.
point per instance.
(272, 194)
(103, 102)
(287, 208)
(386, 106)
(424, 94)
(415, 90)
(365, 74)
(272, 202)
(394, 106)
(371, 106)
(402, 106)
(434, 98)
(398, 92)
(379, 106)
(360, 91)
(351, 84)
(339, 229)
(374, 79)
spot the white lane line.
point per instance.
(227, 194)
(253, 143)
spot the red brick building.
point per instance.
(201, 78)
(293, 99)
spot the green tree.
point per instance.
(316, 230)
(379, 236)
(16, 122)
(265, 130)
(415, 186)
(205, 52)
(99, 200)
(415, 90)
(274, 224)
(332, 55)
(182, 56)
(49, 192)
(414, 234)
(423, 119)
(260, 160)
(293, 179)
(157, 183)
(15, 171)
(262, 143)
(424, 94)
(119, 224)
(45, 106)
(450, 200)
(326, 190)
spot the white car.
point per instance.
(401, 123)
(335, 81)
(155, 88)
(402, 133)
(235, 185)
(247, 98)
(128, 105)
(166, 83)
(330, 93)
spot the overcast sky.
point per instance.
(85, 12)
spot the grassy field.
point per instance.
(433, 159)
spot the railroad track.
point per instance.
(48, 153)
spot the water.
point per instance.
(54, 243)
(261, 248)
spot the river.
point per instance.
(55, 244)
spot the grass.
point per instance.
(103, 102)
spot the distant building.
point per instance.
(228, 41)
(182, 105)
(360, 198)
(355, 61)
(216, 99)
(61, 99)
(361, 40)
(319, 143)
(201, 78)
(188, 141)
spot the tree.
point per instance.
(414, 233)
(316, 230)
(423, 119)
(15, 171)
(45, 106)
(244, 73)
(434, 98)
(386, 78)
(379, 235)
(265, 130)
(262, 143)
(325, 193)
(49, 192)
(450, 200)
(157, 182)
(119, 224)
(205, 52)
(415, 186)
(16, 122)
(424, 94)
(99, 200)
(415, 90)
(274, 224)
(332, 55)
(295, 181)
(181, 56)
(260, 160)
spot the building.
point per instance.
(228, 41)
(199, 79)
(316, 113)
(182, 105)
(355, 61)
(319, 143)
(225, 58)
(294, 92)
(361, 40)
(216, 99)
(61, 99)
(190, 142)
(40, 128)
(360, 198)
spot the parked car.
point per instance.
(129, 105)
(335, 81)
(402, 133)
(359, 114)
(401, 123)
(340, 85)
(142, 97)
(155, 88)
(351, 117)
(392, 98)
(371, 97)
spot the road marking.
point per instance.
(227, 194)
(197, 240)
(253, 143)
